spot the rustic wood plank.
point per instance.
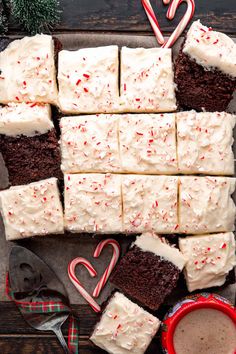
(49, 345)
(12, 322)
(128, 15)
(41, 345)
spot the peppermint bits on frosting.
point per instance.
(88, 80)
(32, 210)
(211, 49)
(147, 143)
(28, 71)
(205, 142)
(93, 203)
(209, 259)
(147, 80)
(124, 327)
(150, 203)
(206, 204)
(90, 144)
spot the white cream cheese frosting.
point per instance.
(27, 71)
(149, 242)
(147, 80)
(124, 327)
(209, 259)
(93, 203)
(27, 119)
(148, 143)
(90, 144)
(205, 142)
(33, 209)
(206, 204)
(150, 203)
(88, 80)
(211, 49)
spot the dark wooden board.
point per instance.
(128, 15)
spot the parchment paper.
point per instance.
(57, 251)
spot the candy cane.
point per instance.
(78, 285)
(183, 23)
(116, 254)
(153, 21)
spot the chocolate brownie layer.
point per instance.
(30, 159)
(3, 174)
(145, 277)
(198, 88)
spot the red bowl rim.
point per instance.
(189, 307)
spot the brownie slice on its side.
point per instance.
(149, 271)
(28, 143)
(30, 159)
(205, 70)
(200, 89)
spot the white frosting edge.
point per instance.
(214, 279)
(25, 119)
(149, 242)
(219, 50)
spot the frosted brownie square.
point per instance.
(124, 327)
(206, 204)
(93, 203)
(88, 80)
(205, 69)
(209, 259)
(150, 203)
(148, 143)
(28, 143)
(149, 271)
(205, 143)
(33, 209)
(90, 144)
(147, 80)
(28, 72)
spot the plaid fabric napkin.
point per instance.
(49, 307)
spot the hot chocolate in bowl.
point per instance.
(200, 324)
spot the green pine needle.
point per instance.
(36, 15)
(3, 23)
(4, 13)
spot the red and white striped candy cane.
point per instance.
(78, 285)
(153, 21)
(116, 254)
(183, 23)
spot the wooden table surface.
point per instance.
(123, 16)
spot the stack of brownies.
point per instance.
(124, 153)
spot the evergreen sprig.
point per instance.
(36, 15)
(4, 14)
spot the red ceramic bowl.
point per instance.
(185, 306)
